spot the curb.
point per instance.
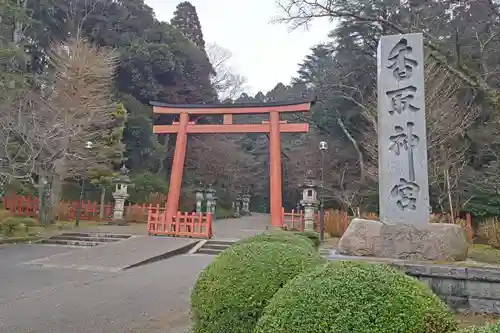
(20, 240)
(181, 250)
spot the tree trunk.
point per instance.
(103, 198)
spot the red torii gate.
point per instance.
(274, 127)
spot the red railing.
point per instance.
(182, 224)
(293, 220)
(21, 205)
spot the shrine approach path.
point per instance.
(149, 299)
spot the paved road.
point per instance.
(241, 227)
(148, 299)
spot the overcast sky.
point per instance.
(265, 53)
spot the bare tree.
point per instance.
(455, 31)
(226, 81)
(44, 132)
(219, 158)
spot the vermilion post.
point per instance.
(275, 170)
(174, 191)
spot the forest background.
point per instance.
(73, 72)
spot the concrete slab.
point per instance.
(118, 256)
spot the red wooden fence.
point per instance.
(293, 220)
(181, 225)
(89, 210)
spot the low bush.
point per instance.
(28, 221)
(223, 213)
(289, 237)
(312, 235)
(9, 225)
(356, 297)
(488, 328)
(232, 291)
(4, 214)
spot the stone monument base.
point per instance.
(437, 242)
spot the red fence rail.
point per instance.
(21, 205)
(293, 220)
(182, 224)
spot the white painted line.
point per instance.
(197, 247)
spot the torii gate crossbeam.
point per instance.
(274, 127)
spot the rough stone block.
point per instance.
(449, 287)
(460, 304)
(480, 289)
(437, 242)
(477, 305)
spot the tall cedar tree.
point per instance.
(186, 20)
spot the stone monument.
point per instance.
(402, 140)
(309, 200)
(120, 195)
(403, 231)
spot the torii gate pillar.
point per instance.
(275, 190)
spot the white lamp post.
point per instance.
(88, 145)
(323, 147)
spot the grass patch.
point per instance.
(485, 254)
(470, 319)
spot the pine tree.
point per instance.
(110, 153)
(186, 20)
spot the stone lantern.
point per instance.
(237, 206)
(211, 199)
(245, 208)
(120, 195)
(309, 200)
(298, 207)
(200, 196)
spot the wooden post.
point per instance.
(275, 170)
(174, 191)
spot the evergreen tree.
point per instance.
(186, 20)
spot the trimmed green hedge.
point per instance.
(489, 328)
(233, 290)
(348, 297)
(281, 237)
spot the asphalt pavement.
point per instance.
(147, 299)
(55, 289)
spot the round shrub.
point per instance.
(347, 297)
(488, 328)
(232, 291)
(281, 237)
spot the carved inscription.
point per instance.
(406, 194)
(401, 61)
(401, 100)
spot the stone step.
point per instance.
(69, 242)
(220, 247)
(208, 251)
(95, 234)
(86, 238)
(221, 242)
